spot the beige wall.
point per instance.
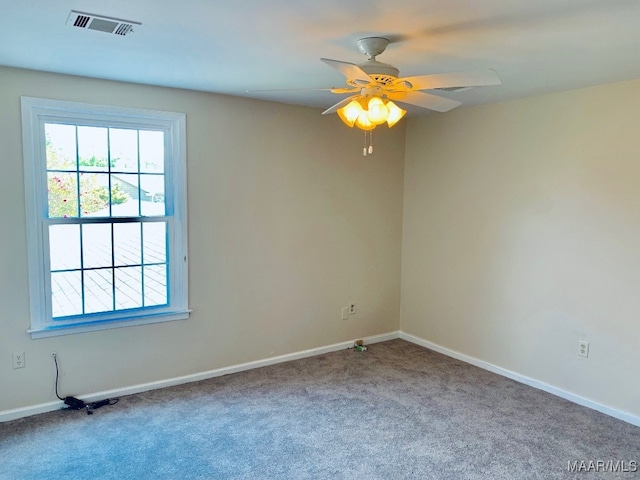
(521, 236)
(287, 224)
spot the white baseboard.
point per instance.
(585, 402)
(8, 415)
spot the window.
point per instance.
(106, 216)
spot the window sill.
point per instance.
(55, 331)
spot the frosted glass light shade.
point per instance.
(363, 122)
(350, 112)
(395, 113)
(377, 111)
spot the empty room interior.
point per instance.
(485, 247)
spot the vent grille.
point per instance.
(81, 21)
(383, 79)
(123, 29)
(100, 23)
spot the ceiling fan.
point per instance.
(375, 86)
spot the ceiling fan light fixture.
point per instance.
(395, 113)
(367, 113)
(378, 83)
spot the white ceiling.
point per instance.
(536, 46)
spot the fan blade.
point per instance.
(338, 90)
(346, 90)
(340, 104)
(329, 89)
(477, 78)
(425, 100)
(350, 70)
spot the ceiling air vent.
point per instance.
(89, 21)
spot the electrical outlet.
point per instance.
(352, 308)
(583, 348)
(18, 360)
(345, 313)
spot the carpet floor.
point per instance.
(396, 411)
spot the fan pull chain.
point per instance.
(364, 148)
(368, 149)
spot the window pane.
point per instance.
(155, 285)
(98, 290)
(127, 247)
(66, 297)
(124, 150)
(92, 148)
(94, 194)
(152, 192)
(124, 195)
(155, 242)
(128, 287)
(96, 245)
(62, 194)
(151, 151)
(64, 247)
(61, 146)
(93, 172)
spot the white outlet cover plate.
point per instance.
(18, 360)
(583, 348)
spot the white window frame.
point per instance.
(35, 113)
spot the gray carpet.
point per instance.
(397, 411)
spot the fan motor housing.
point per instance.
(373, 68)
(381, 73)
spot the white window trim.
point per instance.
(35, 112)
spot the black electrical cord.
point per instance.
(77, 404)
(55, 359)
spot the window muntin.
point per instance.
(102, 172)
(106, 213)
